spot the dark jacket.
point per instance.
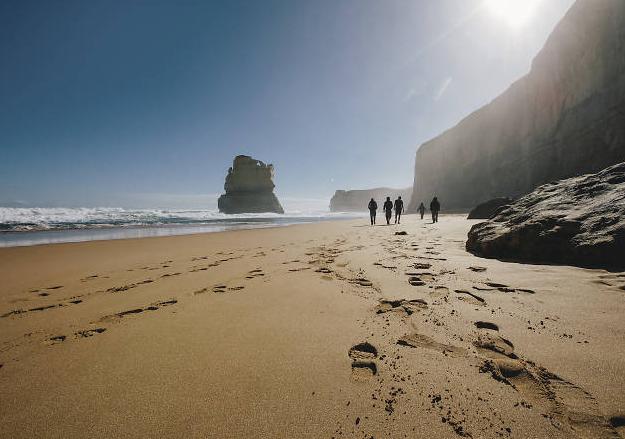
(373, 205)
(388, 205)
(399, 206)
(435, 206)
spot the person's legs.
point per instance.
(371, 216)
(398, 218)
(436, 215)
(388, 217)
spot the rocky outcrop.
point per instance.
(358, 200)
(489, 208)
(577, 221)
(566, 117)
(249, 188)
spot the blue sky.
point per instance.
(139, 103)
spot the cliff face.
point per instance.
(249, 188)
(564, 118)
(358, 200)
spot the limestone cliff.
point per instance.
(357, 200)
(249, 188)
(564, 118)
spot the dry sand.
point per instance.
(280, 333)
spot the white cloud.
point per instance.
(442, 88)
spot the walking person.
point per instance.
(399, 209)
(388, 210)
(435, 207)
(373, 207)
(421, 209)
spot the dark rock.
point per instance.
(578, 221)
(358, 200)
(489, 208)
(565, 118)
(249, 188)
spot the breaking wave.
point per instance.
(20, 219)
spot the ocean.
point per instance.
(21, 226)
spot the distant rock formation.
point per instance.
(577, 221)
(489, 208)
(566, 117)
(357, 200)
(249, 188)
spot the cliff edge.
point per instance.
(564, 118)
(357, 200)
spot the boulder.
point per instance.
(249, 188)
(578, 221)
(489, 208)
(565, 118)
(358, 200)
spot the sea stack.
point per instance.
(249, 188)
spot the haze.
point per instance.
(146, 103)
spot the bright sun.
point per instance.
(515, 13)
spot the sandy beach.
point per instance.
(335, 329)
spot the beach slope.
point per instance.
(335, 329)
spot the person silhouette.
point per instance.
(373, 207)
(399, 208)
(421, 209)
(388, 210)
(435, 207)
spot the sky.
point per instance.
(145, 103)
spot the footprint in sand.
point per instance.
(425, 342)
(570, 408)
(503, 288)
(153, 307)
(388, 267)
(476, 268)
(220, 289)
(196, 269)
(89, 332)
(402, 306)
(470, 297)
(494, 346)
(439, 292)
(415, 281)
(421, 265)
(486, 325)
(324, 270)
(618, 423)
(56, 339)
(255, 273)
(363, 282)
(293, 270)
(616, 280)
(363, 364)
(424, 275)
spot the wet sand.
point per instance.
(336, 329)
